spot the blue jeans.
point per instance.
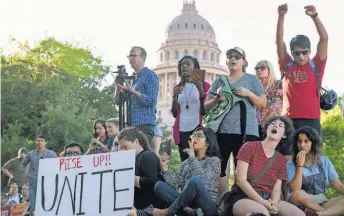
(194, 195)
(32, 194)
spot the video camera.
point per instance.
(122, 75)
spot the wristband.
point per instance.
(299, 166)
(314, 16)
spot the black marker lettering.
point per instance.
(81, 192)
(72, 196)
(43, 194)
(120, 190)
(101, 186)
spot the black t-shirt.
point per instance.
(148, 168)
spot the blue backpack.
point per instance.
(328, 98)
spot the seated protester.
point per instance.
(5, 207)
(310, 174)
(14, 197)
(112, 129)
(260, 172)
(101, 141)
(198, 178)
(73, 149)
(26, 197)
(147, 167)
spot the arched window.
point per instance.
(186, 52)
(176, 55)
(161, 57)
(218, 58)
(167, 56)
(205, 55)
(212, 57)
(195, 54)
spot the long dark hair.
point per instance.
(313, 136)
(213, 149)
(131, 133)
(196, 65)
(103, 123)
(285, 146)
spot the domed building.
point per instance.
(187, 34)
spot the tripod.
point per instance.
(124, 105)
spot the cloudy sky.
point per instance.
(111, 27)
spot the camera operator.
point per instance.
(143, 93)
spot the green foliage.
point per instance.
(333, 133)
(52, 89)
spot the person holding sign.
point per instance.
(147, 168)
(188, 102)
(198, 178)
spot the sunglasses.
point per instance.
(303, 52)
(260, 68)
(236, 56)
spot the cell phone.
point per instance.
(198, 73)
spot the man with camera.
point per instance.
(143, 93)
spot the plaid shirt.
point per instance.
(143, 109)
(33, 158)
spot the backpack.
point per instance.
(328, 98)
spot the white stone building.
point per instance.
(187, 34)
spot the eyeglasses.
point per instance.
(236, 56)
(260, 68)
(299, 52)
(132, 56)
(197, 136)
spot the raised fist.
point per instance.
(282, 9)
(310, 10)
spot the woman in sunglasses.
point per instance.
(240, 123)
(273, 91)
(198, 179)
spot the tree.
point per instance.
(333, 133)
(52, 89)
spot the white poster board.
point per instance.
(90, 185)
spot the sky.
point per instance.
(111, 27)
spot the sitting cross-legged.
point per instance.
(310, 174)
(260, 172)
(198, 179)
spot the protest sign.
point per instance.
(90, 185)
(20, 209)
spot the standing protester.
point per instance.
(33, 158)
(301, 96)
(13, 171)
(239, 122)
(187, 104)
(143, 93)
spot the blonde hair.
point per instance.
(272, 75)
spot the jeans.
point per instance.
(194, 195)
(148, 130)
(32, 194)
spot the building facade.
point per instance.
(187, 34)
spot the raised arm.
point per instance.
(281, 47)
(323, 42)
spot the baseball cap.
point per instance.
(238, 49)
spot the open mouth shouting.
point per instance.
(274, 131)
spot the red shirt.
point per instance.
(253, 154)
(299, 89)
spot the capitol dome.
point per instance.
(189, 22)
(187, 34)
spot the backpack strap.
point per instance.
(316, 72)
(286, 68)
(266, 168)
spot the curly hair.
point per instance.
(131, 133)
(313, 136)
(284, 147)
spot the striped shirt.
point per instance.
(143, 109)
(253, 154)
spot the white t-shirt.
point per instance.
(190, 105)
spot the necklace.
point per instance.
(188, 98)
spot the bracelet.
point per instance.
(314, 16)
(299, 166)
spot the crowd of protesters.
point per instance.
(270, 126)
